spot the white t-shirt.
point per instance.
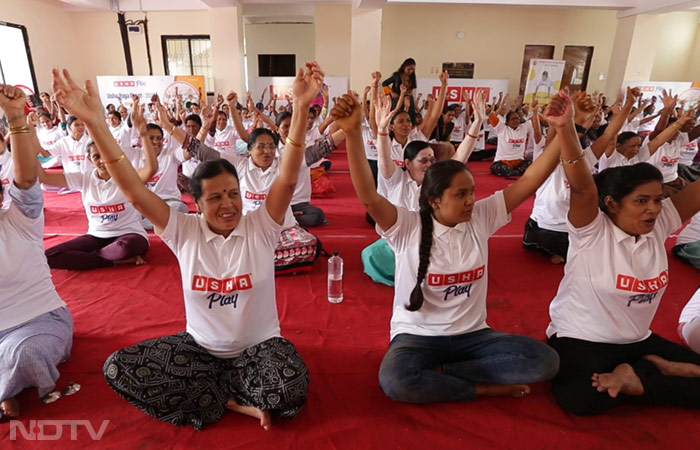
(691, 309)
(460, 127)
(255, 184)
(7, 176)
(48, 138)
(223, 140)
(455, 285)
(511, 143)
(613, 282)
(552, 199)
(228, 283)
(691, 233)
(397, 149)
(369, 141)
(121, 134)
(73, 154)
(688, 152)
(401, 189)
(302, 191)
(667, 156)
(27, 290)
(632, 126)
(108, 211)
(648, 126)
(164, 182)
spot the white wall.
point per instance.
(277, 39)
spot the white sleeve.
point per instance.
(401, 235)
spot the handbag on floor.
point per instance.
(296, 251)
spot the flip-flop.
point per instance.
(70, 389)
(51, 397)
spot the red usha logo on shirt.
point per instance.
(253, 196)
(630, 283)
(76, 158)
(5, 181)
(124, 83)
(239, 283)
(107, 209)
(437, 279)
(155, 178)
(667, 160)
(221, 144)
(516, 141)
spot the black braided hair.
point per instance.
(438, 177)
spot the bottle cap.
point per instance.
(335, 253)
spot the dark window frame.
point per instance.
(28, 49)
(189, 37)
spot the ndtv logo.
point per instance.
(239, 283)
(253, 196)
(124, 84)
(436, 279)
(38, 429)
(629, 283)
(108, 209)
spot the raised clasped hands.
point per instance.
(560, 110)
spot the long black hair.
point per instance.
(438, 177)
(412, 78)
(618, 182)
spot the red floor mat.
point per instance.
(342, 345)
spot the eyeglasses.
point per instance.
(270, 146)
(430, 160)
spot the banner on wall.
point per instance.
(282, 86)
(457, 89)
(543, 80)
(113, 88)
(687, 92)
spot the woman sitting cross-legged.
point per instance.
(231, 355)
(36, 328)
(115, 234)
(615, 276)
(441, 347)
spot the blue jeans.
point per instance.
(408, 374)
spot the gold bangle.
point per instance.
(291, 141)
(571, 161)
(18, 132)
(171, 130)
(21, 129)
(115, 160)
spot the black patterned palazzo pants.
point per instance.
(174, 379)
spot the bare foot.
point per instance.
(136, 260)
(674, 368)
(252, 411)
(622, 380)
(556, 259)
(502, 390)
(10, 408)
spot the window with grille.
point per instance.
(189, 55)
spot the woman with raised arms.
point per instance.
(441, 347)
(231, 355)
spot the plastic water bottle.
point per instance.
(335, 278)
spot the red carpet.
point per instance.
(342, 345)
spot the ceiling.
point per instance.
(304, 8)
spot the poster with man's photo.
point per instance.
(543, 80)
